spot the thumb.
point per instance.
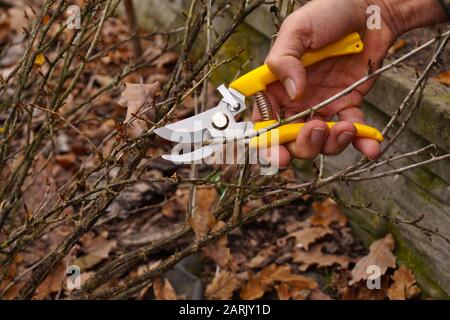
(311, 27)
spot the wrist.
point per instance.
(405, 15)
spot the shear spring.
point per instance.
(264, 106)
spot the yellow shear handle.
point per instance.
(288, 132)
(257, 79)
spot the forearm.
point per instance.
(406, 15)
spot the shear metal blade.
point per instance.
(182, 136)
(193, 156)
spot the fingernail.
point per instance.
(317, 136)
(345, 137)
(289, 86)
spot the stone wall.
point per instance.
(425, 191)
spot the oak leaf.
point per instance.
(288, 284)
(380, 255)
(305, 237)
(254, 288)
(264, 255)
(163, 290)
(326, 213)
(314, 256)
(203, 222)
(222, 286)
(404, 286)
(137, 98)
(97, 250)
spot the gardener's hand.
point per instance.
(315, 25)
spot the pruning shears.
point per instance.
(219, 124)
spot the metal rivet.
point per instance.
(220, 120)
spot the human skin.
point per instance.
(313, 26)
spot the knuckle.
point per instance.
(274, 61)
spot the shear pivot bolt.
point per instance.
(220, 120)
(234, 107)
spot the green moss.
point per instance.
(371, 227)
(254, 47)
(418, 264)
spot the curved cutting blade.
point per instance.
(193, 156)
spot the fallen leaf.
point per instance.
(254, 289)
(163, 290)
(288, 284)
(262, 256)
(404, 286)
(284, 274)
(9, 275)
(222, 286)
(360, 291)
(97, 251)
(315, 256)
(252, 205)
(52, 282)
(167, 58)
(177, 204)
(283, 291)
(218, 250)
(203, 222)
(318, 294)
(443, 78)
(326, 213)
(305, 237)
(137, 97)
(380, 255)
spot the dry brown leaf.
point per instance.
(404, 286)
(443, 78)
(318, 294)
(380, 255)
(314, 256)
(222, 286)
(262, 256)
(305, 237)
(177, 204)
(97, 250)
(166, 58)
(10, 274)
(252, 205)
(283, 291)
(163, 290)
(253, 289)
(218, 250)
(288, 285)
(360, 291)
(327, 212)
(284, 274)
(52, 282)
(206, 199)
(203, 222)
(137, 97)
